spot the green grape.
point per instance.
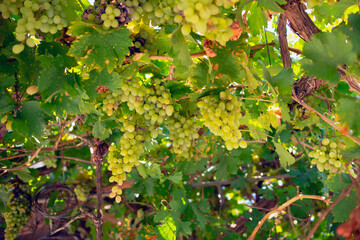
(325, 141)
(30, 42)
(222, 117)
(18, 48)
(19, 209)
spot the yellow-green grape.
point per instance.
(18, 48)
(328, 158)
(243, 144)
(222, 117)
(110, 102)
(19, 210)
(32, 90)
(183, 131)
(204, 17)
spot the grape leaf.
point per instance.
(338, 182)
(272, 5)
(167, 230)
(97, 49)
(100, 131)
(327, 51)
(180, 52)
(176, 178)
(103, 78)
(349, 112)
(256, 19)
(283, 80)
(343, 209)
(31, 118)
(24, 174)
(286, 159)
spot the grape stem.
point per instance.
(283, 207)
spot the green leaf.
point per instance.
(178, 89)
(167, 230)
(99, 49)
(272, 5)
(24, 174)
(101, 131)
(349, 112)
(343, 209)
(327, 51)
(176, 178)
(31, 117)
(338, 183)
(286, 159)
(283, 81)
(180, 52)
(103, 78)
(256, 19)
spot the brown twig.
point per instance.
(69, 158)
(281, 208)
(327, 211)
(24, 164)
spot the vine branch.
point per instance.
(282, 207)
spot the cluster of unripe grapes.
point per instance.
(155, 11)
(134, 93)
(110, 102)
(183, 131)
(19, 208)
(110, 15)
(204, 17)
(222, 117)
(44, 16)
(158, 105)
(327, 157)
(121, 161)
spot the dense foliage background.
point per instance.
(210, 119)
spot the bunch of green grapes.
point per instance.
(122, 160)
(110, 15)
(158, 104)
(19, 208)
(134, 92)
(110, 101)
(327, 157)
(155, 11)
(204, 17)
(222, 117)
(183, 131)
(44, 16)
